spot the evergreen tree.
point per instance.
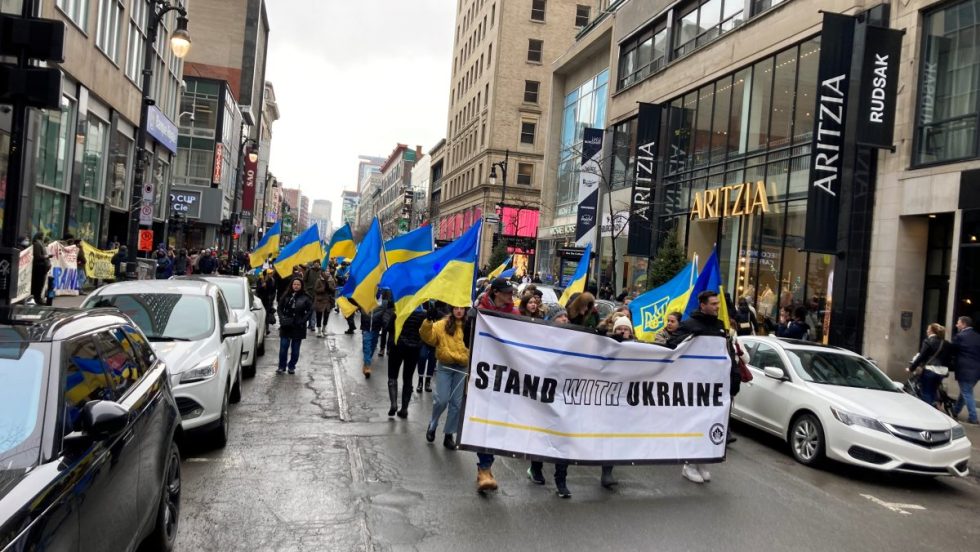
(497, 255)
(669, 261)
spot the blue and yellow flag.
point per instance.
(649, 311)
(416, 243)
(342, 243)
(577, 285)
(446, 275)
(709, 279)
(304, 249)
(268, 246)
(365, 273)
(500, 269)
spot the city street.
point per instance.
(314, 463)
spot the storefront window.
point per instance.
(93, 160)
(624, 154)
(161, 176)
(89, 217)
(119, 154)
(53, 143)
(49, 213)
(949, 84)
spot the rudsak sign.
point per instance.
(879, 85)
(827, 156)
(588, 188)
(640, 242)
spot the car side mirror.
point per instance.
(775, 373)
(103, 419)
(233, 329)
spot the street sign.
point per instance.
(146, 240)
(492, 219)
(146, 214)
(148, 191)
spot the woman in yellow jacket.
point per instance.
(446, 336)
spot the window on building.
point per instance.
(531, 91)
(136, 40)
(702, 21)
(537, 10)
(642, 56)
(759, 6)
(525, 174)
(107, 29)
(486, 94)
(582, 14)
(93, 158)
(493, 13)
(527, 132)
(949, 85)
(77, 11)
(534, 48)
(55, 136)
(120, 151)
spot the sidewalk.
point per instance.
(973, 434)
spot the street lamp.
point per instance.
(503, 190)
(180, 43)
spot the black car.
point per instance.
(88, 429)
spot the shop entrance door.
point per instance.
(936, 290)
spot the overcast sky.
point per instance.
(354, 77)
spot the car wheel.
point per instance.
(260, 348)
(221, 432)
(806, 440)
(236, 390)
(168, 513)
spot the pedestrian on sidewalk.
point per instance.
(310, 278)
(294, 310)
(499, 297)
(40, 267)
(445, 336)
(705, 321)
(931, 364)
(265, 289)
(180, 263)
(403, 357)
(371, 323)
(967, 346)
(119, 263)
(323, 300)
(165, 267)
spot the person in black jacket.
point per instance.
(119, 262)
(371, 324)
(265, 289)
(705, 321)
(295, 308)
(404, 351)
(934, 358)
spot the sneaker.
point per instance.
(535, 476)
(280, 370)
(562, 490)
(691, 474)
(291, 372)
(705, 474)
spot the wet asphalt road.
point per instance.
(314, 463)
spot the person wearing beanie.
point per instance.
(622, 329)
(295, 308)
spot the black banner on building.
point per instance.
(827, 156)
(587, 216)
(640, 243)
(879, 85)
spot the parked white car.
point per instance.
(190, 327)
(829, 402)
(249, 309)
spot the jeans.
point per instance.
(484, 461)
(561, 470)
(929, 386)
(427, 361)
(966, 397)
(369, 340)
(311, 321)
(450, 381)
(287, 345)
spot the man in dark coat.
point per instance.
(119, 262)
(295, 308)
(40, 268)
(967, 346)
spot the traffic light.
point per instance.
(225, 227)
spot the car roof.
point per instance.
(40, 324)
(182, 287)
(797, 343)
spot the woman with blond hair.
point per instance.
(931, 363)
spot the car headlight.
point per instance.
(958, 432)
(201, 372)
(848, 418)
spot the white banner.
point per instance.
(553, 393)
(64, 268)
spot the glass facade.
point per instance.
(195, 143)
(584, 107)
(949, 84)
(120, 150)
(52, 163)
(753, 126)
(93, 158)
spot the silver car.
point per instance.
(191, 327)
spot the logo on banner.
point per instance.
(717, 434)
(654, 315)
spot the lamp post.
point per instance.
(503, 190)
(180, 43)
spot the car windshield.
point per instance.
(234, 291)
(164, 316)
(22, 369)
(833, 368)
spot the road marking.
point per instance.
(894, 506)
(342, 407)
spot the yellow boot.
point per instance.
(485, 480)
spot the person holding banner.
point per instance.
(453, 356)
(705, 321)
(669, 330)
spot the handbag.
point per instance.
(744, 373)
(938, 369)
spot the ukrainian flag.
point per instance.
(500, 269)
(268, 246)
(342, 243)
(414, 244)
(365, 273)
(577, 285)
(304, 249)
(649, 311)
(446, 275)
(709, 279)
